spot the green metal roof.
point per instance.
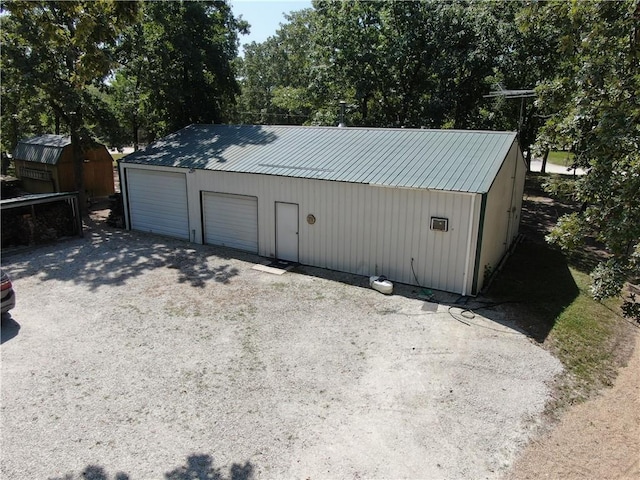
(455, 160)
(41, 149)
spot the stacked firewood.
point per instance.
(34, 225)
(116, 215)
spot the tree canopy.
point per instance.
(593, 103)
(60, 52)
(396, 64)
(182, 59)
(114, 68)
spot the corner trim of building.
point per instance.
(476, 268)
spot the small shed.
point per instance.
(44, 164)
(436, 208)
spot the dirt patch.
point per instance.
(596, 439)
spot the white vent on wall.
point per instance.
(440, 224)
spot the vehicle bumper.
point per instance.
(9, 302)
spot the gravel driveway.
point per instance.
(133, 356)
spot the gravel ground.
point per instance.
(132, 356)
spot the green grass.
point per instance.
(552, 303)
(584, 338)
(564, 159)
(116, 157)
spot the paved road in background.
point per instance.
(536, 166)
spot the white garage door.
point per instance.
(231, 220)
(158, 202)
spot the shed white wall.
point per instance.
(502, 213)
(360, 229)
(518, 192)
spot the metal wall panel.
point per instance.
(502, 214)
(518, 193)
(359, 228)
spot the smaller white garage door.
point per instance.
(231, 220)
(158, 202)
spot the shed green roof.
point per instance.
(454, 160)
(41, 149)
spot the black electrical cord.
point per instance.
(425, 291)
(414, 274)
(467, 314)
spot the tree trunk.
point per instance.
(78, 170)
(134, 120)
(543, 169)
(135, 133)
(364, 109)
(528, 159)
(460, 120)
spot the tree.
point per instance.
(177, 66)
(395, 63)
(526, 54)
(594, 108)
(24, 110)
(275, 75)
(126, 94)
(60, 50)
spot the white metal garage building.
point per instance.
(438, 207)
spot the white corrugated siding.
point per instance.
(359, 228)
(518, 193)
(158, 202)
(502, 213)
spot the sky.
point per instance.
(265, 16)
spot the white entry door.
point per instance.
(287, 231)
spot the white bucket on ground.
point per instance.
(381, 284)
